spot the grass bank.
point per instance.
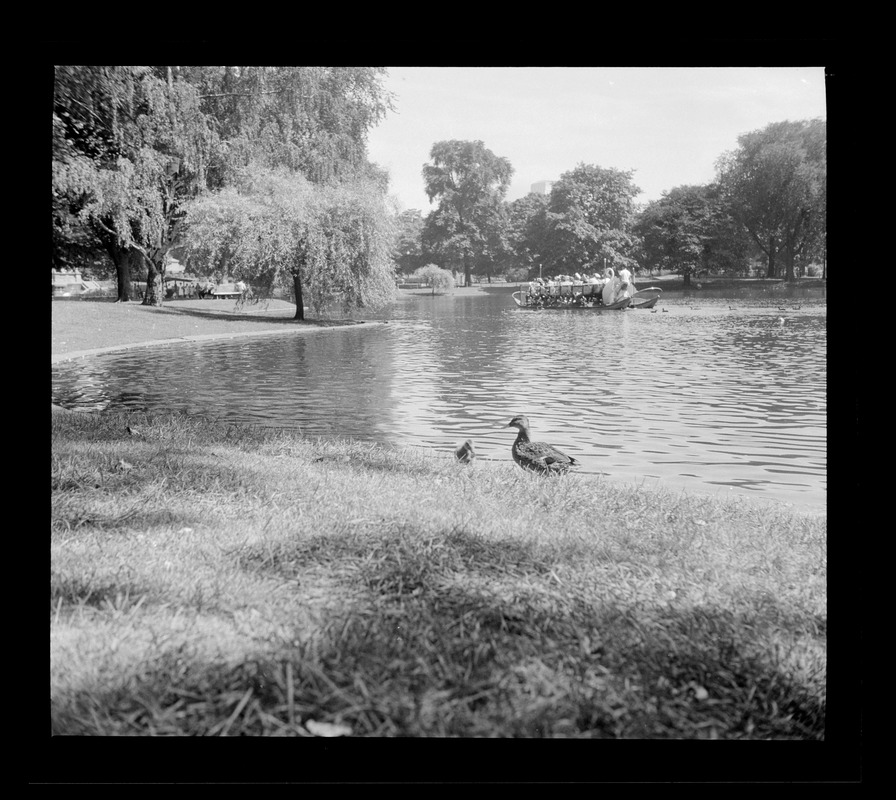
(235, 581)
(80, 326)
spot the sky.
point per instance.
(666, 124)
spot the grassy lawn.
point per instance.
(81, 325)
(234, 581)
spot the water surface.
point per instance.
(709, 393)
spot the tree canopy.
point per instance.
(311, 120)
(470, 182)
(775, 183)
(688, 230)
(130, 148)
(408, 249)
(133, 145)
(275, 229)
(590, 219)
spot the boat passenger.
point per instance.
(626, 284)
(566, 287)
(611, 287)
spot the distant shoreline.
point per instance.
(669, 283)
(86, 327)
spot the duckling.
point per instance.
(465, 453)
(537, 456)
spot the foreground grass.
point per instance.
(209, 581)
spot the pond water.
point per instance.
(723, 393)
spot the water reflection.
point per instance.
(714, 395)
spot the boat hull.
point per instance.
(624, 303)
(645, 298)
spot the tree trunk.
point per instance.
(123, 278)
(127, 260)
(123, 258)
(468, 279)
(300, 302)
(772, 265)
(789, 258)
(155, 283)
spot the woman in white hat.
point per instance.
(626, 284)
(611, 287)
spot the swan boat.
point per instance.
(580, 297)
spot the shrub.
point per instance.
(435, 276)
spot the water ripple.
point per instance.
(719, 396)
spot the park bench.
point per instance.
(226, 291)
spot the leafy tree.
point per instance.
(133, 145)
(408, 250)
(276, 229)
(470, 182)
(775, 183)
(74, 245)
(495, 252)
(590, 219)
(687, 231)
(130, 148)
(526, 234)
(310, 120)
(435, 276)
(84, 125)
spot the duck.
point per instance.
(465, 453)
(537, 456)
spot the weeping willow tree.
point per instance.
(311, 120)
(327, 244)
(130, 149)
(134, 145)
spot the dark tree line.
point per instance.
(768, 202)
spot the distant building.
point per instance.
(542, 187)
